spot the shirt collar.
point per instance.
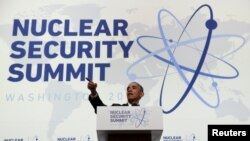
(133, 104)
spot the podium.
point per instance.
(124, 123)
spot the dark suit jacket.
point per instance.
(98, 102)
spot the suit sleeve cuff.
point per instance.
(93, 97)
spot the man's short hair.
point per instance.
(139, 86)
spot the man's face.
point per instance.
(134, 92)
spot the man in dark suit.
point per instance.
(134, 94)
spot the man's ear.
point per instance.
(142, 94)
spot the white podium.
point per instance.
(120, 123)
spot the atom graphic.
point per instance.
(139, 117)
(169, 47)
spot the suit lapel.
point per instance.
(126, 104)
